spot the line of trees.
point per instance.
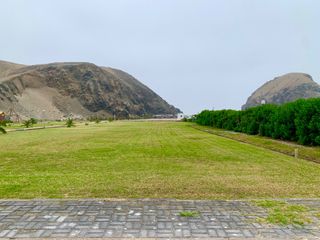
(295, 121)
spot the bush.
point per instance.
(296, 121)
(33, 121)
(27, 123)
(2, 125)
(5, 122)
(70, 122)
(95, 119)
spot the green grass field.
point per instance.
(288, 148)
(146, 159)
(12, 126)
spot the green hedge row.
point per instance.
(296, 121)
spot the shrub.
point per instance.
(95, 119)
(27, 123)
(33, 121)
(2, 125)
(70, 122)
(296, 121)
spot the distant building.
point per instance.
(2, 116)
(163, 116)
(180, 116)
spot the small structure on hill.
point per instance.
(180, 116)
(13, 115)
(164, 116)
(2, 116)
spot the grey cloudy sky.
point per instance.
(196, 54)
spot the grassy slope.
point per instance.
(146, 159)
(305, 152)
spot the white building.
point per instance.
(180, 116)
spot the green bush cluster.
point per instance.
(29, 123)
(295, 121)
(70, 123)
(2, 125)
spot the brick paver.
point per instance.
(143, 219)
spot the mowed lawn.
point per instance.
(146, 159)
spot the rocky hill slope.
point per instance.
(58, 90)
(286, 88)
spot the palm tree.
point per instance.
(27, 123)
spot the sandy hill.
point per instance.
(286, 88)
(57, 90)
(7, 68)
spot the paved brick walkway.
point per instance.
(143, 219)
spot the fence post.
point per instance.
(296, 152)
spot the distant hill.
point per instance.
(286, 88)
(7, 68)
(57, 90)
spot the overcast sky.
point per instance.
(196, 54)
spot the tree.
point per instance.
(70, 122)
(295, 121)
(33, 121)
(2, 130)
(2, 125)
(27, 123)
(284, 122)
